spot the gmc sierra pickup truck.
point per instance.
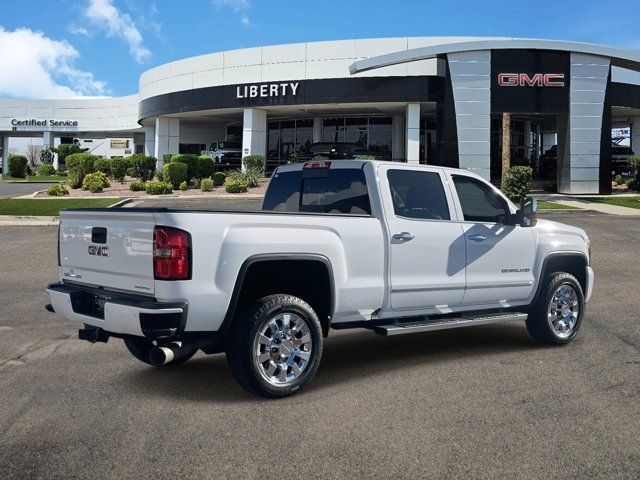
(390, 247)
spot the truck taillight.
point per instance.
(171, 254)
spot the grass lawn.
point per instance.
(51, 206)
(37, 178)
(543, 205)
(631, 202)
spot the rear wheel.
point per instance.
(274, 349)
(556, 316)
(141, 348)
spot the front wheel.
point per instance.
(557, 314)
(274, 349)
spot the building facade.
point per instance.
(433, 100)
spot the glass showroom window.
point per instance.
(286, 137)
(373, 133)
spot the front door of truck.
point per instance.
(427, 245)
(500, 256)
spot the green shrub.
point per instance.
(118, 168)
(219, 178)
(46, 170)
(235, 186)
(166, 158)
(319, 158)
(95, 178)
(102, 165)
(175, 173)
(183, 186)
(206, 166)
(94, 186)
(634, 166)
(618, 180)
(251, 177)
(57, 190)
(517, 182)
(66, 150)
(29, 171)
(79, 165)
(206, 185)
(137, 186)
(158, 188)
(190, 160)
(254, 162)
(17, 166)
(633, 184)
(365, 157)
(143, 167)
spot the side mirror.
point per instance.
(528, 213)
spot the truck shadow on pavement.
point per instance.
(348, 356)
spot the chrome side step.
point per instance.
(458, 322)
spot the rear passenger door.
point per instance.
(426, 243)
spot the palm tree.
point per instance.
(506, 145)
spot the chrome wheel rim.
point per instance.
(564, 311)
(282, 349)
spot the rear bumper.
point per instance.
(590, 280)
(122, 314)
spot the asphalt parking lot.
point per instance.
(484, 402)
(14, 189)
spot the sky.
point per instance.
(75, 48)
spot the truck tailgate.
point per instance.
(111, 248)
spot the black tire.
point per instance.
(539, 324)
(243, 339)
(140, 348)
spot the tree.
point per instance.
(46, 155)
(33, 154)
(506, 145)
(67, 149)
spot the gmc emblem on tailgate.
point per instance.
(98, 251)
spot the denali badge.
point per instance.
(98, 251)
(516, 270)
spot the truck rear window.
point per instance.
(339, 190)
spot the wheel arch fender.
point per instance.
(573, 262)
(273, 260)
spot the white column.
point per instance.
(471, 82)
(166, 138)
(397, 138)
(580, 172)
(254, 132)
(47, 142)
(149, 141)
(317, 130)
(413, 133)
(5, 155)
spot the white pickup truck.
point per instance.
(390, 247)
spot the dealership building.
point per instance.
(428, 100)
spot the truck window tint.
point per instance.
(334, 191)
(480, 203)
(418, 194)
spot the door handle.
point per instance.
(403, 236)
(477, 238)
